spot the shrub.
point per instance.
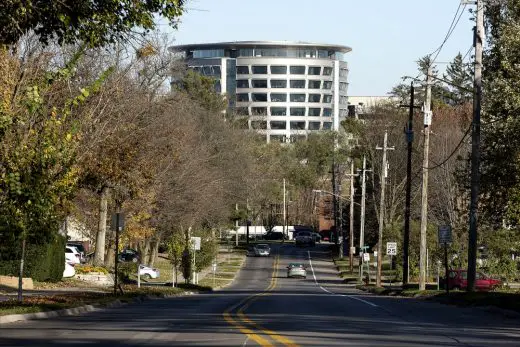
(125, 270)
(85, 269)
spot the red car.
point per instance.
(458, 279)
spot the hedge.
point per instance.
(44, 261)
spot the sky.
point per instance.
(387, 37)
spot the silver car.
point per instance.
(296, 270)
(262, 250)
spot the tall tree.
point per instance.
(460, 77)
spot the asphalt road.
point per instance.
(264, 308)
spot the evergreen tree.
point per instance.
(460, 76)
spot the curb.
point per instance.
(74, 311)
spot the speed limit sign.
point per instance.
(391, 248)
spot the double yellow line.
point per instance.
(245, 325)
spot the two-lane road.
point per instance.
(265, 308)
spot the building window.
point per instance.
(260, 69)
(327, 125)
(297, 97)
(323, 53)
(343, 100)
(242, 97)
(327, 98)
(242, 83)
(256, 111)
(245, 52)
(327, 84)
(208, 53)
(315, 70)
(278, 83)
(327, 112)
(278, 111)
(297, 125)
(259, 83)
(243, 70)
(297, 84)
(258, 124)
(277, 97)
(278, 70)
(216, 70)
(297, 70)
(297, 111)
(259, 97)
(314, 97)
(327, 71)
(343, 112)
(343, 86)
(278, 125)
(343, 72)
(314, 125)
(314, 112)
(314, 84)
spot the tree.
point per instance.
(95, 22)
(460, 77)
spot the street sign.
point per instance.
(214, 267)
(195, 243)
(391, 248)
(352, 250)
(445, 234)
(375, 254)
(115, 221)
(366, 256)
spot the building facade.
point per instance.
(286, 89)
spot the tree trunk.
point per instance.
(153, 253)
(146, 250)
(99, 254)
(20, 275)
(109, 254)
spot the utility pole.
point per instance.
(475, 148)
(284, 211)
(424, 200)
(362, 217)
(408, 199)
(236, 226)
(384, 173)
(335, 205)
(351, 222)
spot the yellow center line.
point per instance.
(244, 304)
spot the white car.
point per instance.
(148, 272)
(69, 270)
(72, 256)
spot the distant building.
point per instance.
(286, 89)
(359, 105)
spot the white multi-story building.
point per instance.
(287, 89)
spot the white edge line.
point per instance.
(328, 291)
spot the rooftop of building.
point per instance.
(262, 44)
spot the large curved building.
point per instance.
(287, 89)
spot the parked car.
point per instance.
(80, 248)
(296, 270)
(72, 255)
(458, 279)
(317, 237)
(69, 270)
(148, 272)
(275, 235)
(129, 255)
(305, 238)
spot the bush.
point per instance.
(43, 261)
(85, 269)
(125, 270)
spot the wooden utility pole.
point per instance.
(475, 148)
(384, 173)
(362, 217)
(284, 212)
(424, 200)
(408, 199)
(351, 224)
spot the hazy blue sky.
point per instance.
(386, 37)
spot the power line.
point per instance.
(453, 25)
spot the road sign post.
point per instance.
(445, 237)
(195, 244)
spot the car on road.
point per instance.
(305, 238)
(72, 256)
(148, 273)
(296, 270)
(129, 255)
(317, 237)
(458, 279)
(259, 250)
